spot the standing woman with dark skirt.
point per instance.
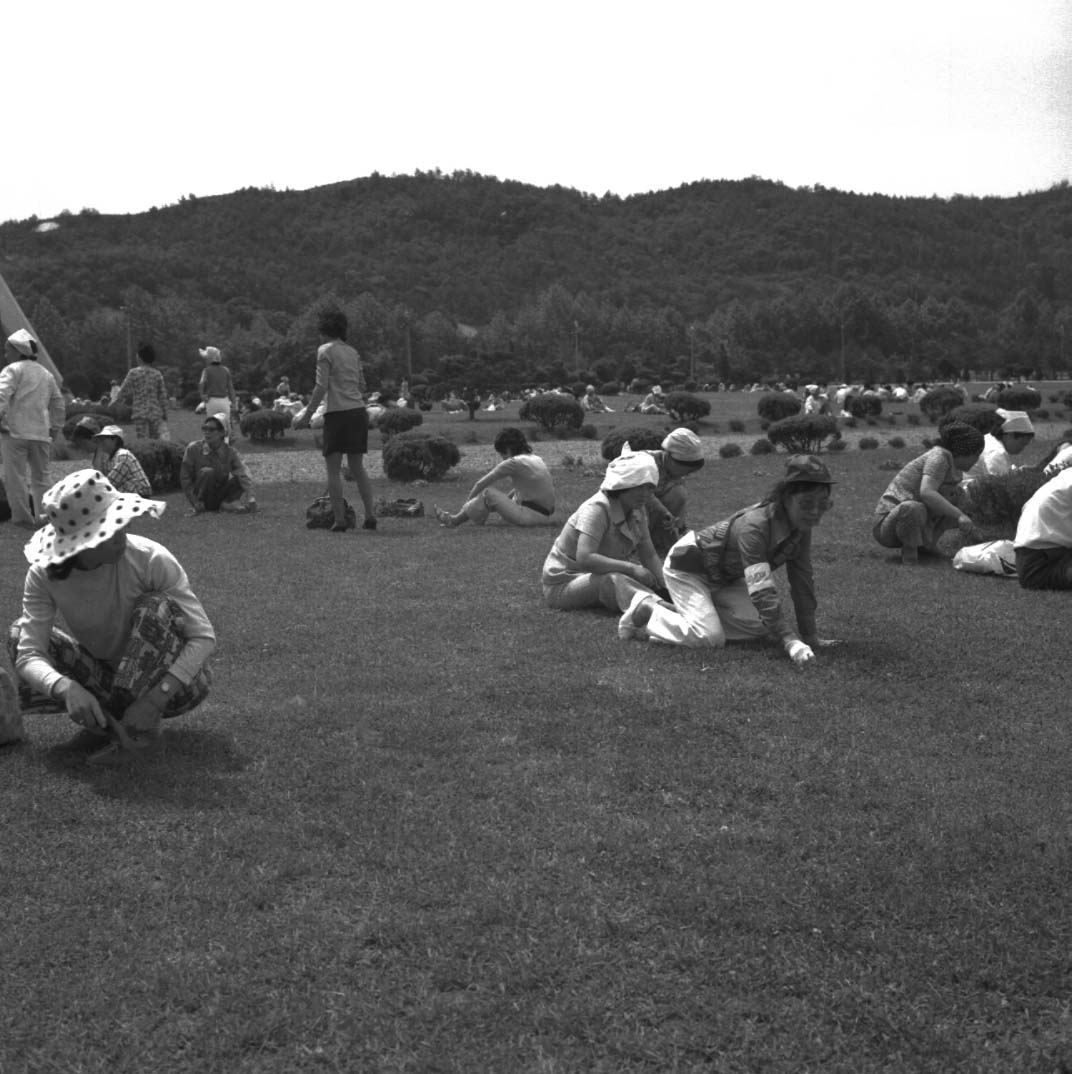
(339, 381)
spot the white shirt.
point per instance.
(30, 400)
(1046, 520)
(993, 461)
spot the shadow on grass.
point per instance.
(194, 771)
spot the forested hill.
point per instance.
(466, 248)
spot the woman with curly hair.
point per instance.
(920, 503)
(528, 500)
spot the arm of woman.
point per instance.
(496, 474)
(590, 559)
(938, 505)
(650, 559)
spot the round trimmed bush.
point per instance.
(773, 406)
(896, 442)
(865, 406)
(940, 401)
(418, 456)
(398, 419)
(867, 443)
(265, 425)
(589, 431)
(684, 406)
(803, 434)
(1018, 397)
(730, 451)
(551, 411)
(981, 416)
(761, 447)
(639, 439)
(837, 445)
(736, 425)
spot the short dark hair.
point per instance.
(511, 441)
(784, 489)
(333, 324)
(147, 353)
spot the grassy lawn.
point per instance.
(425, 824)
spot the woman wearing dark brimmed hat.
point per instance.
(721, 578)
(919, 504)
(138, 637)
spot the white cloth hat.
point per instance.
(23, 342)
(211, 353)
(83, 511)
(683, 445)
(630, 469)
(111, 430)
(1015, 421)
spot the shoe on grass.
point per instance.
(632, 623)
(233, 507)
(369, 523)
(11, 729)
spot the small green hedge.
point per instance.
(265, 425)
(638, 438)
(803, 434)
(396, 420)
(419, 456)
(552, 411)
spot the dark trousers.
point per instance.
(1044, 568)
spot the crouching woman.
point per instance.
(721, 579)
(138, 637)
(603, 557)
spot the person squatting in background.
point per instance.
(1000, 447)
(603, 556)
(531, 498)
(212, 474)
(920, 503)
(680, 454)
(721, 578)
(32, 412)
(138, 638)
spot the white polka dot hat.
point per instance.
(83, 511)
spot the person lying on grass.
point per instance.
(1043, 539)
(1001, 446)
(138, 637)
(213, 475)
(531, 499)
(681, 454)
(721, 578)
(603, 557)
(920, 503)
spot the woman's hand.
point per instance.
(965, 524)
(82, 706)
(801, 655)
(142, 716)
(642, 575)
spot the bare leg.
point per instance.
(364, 485)
(333, 463)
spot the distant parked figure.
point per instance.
(217, 385)
(604, 555)
(471, 398)
(999, 448)
(213, 475)
(283, 387)
(1044, 536)
(113, 391)
(143, 389)
(919, 505)
(531, 498)
(31, 414)
(341, 383)
(592, 403)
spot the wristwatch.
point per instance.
(165, 687)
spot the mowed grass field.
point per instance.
(425, 824)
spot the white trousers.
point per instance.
(26, 469)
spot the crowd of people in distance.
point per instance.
(135, 642)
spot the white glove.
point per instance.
(800, 654)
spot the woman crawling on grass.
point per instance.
(531, 498)
(920, 503)
(139, 637)
(721, 579)
(604, 556)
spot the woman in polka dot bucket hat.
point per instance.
(137, 637)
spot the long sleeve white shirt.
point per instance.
(31, 404)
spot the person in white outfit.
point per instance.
(530, 500)
(31, 414)
(1000, 447)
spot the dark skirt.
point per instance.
(346, 432)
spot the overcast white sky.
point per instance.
(120, 106)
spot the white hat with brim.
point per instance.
(110, 430)
(84, 510)
(1015, 421)
(630, 470)
(211, 353)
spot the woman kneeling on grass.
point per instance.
(604, 556)
(531, 499)
(721, 578)
(919, 504)
(139, 637)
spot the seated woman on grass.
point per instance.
(680, 454)
(1000, 447)
(721, 579)
(920, 503)
(1043, 540)
(136, 639)
(530, 500)
(604, 556)
(119, 465)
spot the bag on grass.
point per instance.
(411, 508)
(991, 557)
(320, 516)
